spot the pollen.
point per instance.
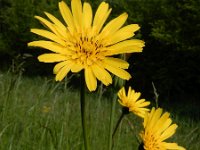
(87, 51)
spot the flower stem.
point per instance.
(125, 111)
(117, 125)
(111, 124)
(83, 111)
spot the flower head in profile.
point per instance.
(157, 128)
(132, 101)
(85, 43)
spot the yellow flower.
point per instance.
(157, 128)
(131, 102)
(46, 109)
(83, 43)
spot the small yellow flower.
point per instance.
(83, 43)
(157, 128)
(132, 102)
(46, 109)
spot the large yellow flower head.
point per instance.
(132, 102)
(83, 43)
(157, 128)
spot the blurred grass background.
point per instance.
(40, 114)
(37, 112)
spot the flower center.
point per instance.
(150, 142)
(88, 50)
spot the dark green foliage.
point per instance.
(16, 19)
(172, 53)
(178, 24)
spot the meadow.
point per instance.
(41, 114)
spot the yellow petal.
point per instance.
(67, 16)
(90, 79)
(148, 117)
(116, 62)
(62, 34)
(114, 25)
(127, 43)
(144, 104)
(50, 58)
(76, 7)
(172, 146)
(168, 132)
(121, 48)
(121, 93)
(47, 24)
(76, 67)
(143, 110)
(48, 35)
(62, 73)
(87, 15)
(117, 71)
(56, 21)
(140, 114)
(155, 118)
(122, 103)
(136, 96)
(60, 65)
(164, 126)
(52, 46)
(151, 116)
(128, 46)
(161, 123)
(130, 92)
(102, 74)
(122, 34)
(101, 16)
(133, 95)
(140, 101)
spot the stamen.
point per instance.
(88, 50)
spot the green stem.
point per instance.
(83, 111)
(111, 123)
(118, 123)
(125, 111)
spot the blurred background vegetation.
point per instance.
(170, 29)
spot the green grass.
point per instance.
(25, 126)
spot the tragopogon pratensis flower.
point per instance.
(83, 43)
(132, 101)
(157, 128)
